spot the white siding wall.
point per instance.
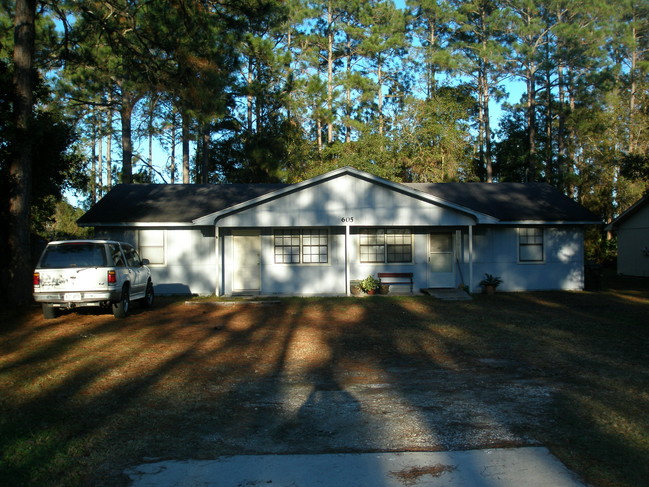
(190, 263)
(633, 239)
(319, 279)
(496, 252)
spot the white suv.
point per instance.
(75, 273)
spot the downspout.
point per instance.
(470, 258)
(217, 256)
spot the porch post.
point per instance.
(217, 259)
(470, 258)
(347, 291)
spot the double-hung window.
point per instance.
(151, 244)
(530, 244)
(309, 246)
(378, 245)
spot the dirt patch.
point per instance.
(412, 476)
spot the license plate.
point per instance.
(72, 297)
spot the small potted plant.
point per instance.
(369, 284)
(490, 283)
(355, 287)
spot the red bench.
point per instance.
(396, 278)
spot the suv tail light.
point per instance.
(112, 277)
(37, 279)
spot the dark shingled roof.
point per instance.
(130, 203)
(511, 201)
(127, 203)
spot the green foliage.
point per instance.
(57, 166)
(284, 90)
(636, 167)
(491, 281)
(370, 283)
(599, 247)
(433, 142)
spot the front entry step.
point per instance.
(450, 294)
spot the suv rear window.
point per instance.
(85, 254)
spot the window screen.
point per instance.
(530, 244)
(315, 246)
(309, 246)
(287, 246)
(152, 245)
(385, 245)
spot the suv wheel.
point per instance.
(49, 311)
(147, 300)
(120, 308)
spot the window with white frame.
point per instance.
(315, 246)
(152, 246)
(307, 246)
(379, 245)
(530, 244)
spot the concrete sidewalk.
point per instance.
(507, 467)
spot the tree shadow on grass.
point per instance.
(87, 396)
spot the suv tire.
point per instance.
(120, 308)
(147, 300)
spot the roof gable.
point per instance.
(638, 207)
(339, 174)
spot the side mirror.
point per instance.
(145, 261)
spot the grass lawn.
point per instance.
(84, 396)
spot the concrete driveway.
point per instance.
(505, 467)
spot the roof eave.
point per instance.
(136, 224)
(626, 214)
(548, 222)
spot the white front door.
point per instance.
(441, 260)
(246, 269)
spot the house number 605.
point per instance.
(347, 219)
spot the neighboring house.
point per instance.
(313, 237)
(632, 229)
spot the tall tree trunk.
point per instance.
(126, 113)
(20, 167)
(562, 162)
(93, 158)
(150, 129)
(379, 81)
(348, 94)
(100, 166)
(109, 149)
(185, 146)
(249, 97)
(572, 137)
(531, 126)
(431, 83)
(205, 153)
(550, 170)
(318, 129)
(172, 161)
(330, 74)
(634, 87)
(487, 126)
